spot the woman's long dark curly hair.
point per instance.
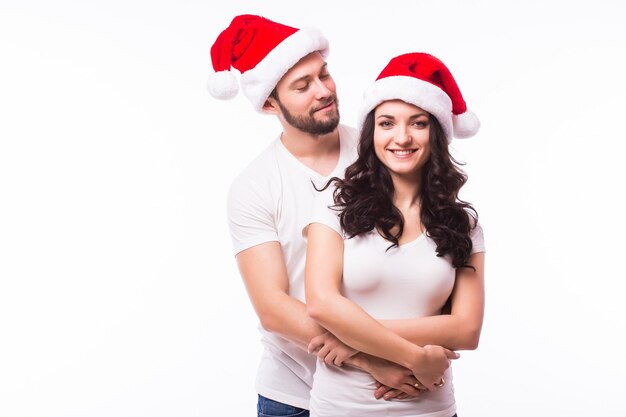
(364, 197)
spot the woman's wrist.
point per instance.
(412, 356)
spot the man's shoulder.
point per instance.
(349, 138)
(258, 177)
(348, 133)
(262, 166)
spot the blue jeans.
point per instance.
(270, 408)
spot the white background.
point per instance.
(119, 293)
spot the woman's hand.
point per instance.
(431, 364)
(330, 349)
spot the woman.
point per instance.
(391, 244)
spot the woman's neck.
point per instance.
(407, 192)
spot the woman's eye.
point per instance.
(384, 123)
(324, 76)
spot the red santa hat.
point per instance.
(263, 51)
(424, 81)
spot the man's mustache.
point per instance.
(325, 103)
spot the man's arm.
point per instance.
(264, 273)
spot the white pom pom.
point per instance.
(222, 85)
(465, 125)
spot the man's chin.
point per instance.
(317, 124)
(329, 126)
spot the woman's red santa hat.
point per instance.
(263, 51)
(424, 81)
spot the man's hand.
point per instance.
(388, 393)
(394, 381)
(330, 349)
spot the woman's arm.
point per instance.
(459, 330)
(351, 324)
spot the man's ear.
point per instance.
(270, 106)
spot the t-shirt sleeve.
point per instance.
(478, 240)
(250, 214)
(322, 213)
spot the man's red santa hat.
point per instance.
(263, 51)
(424, 81)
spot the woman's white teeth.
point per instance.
(402, 152)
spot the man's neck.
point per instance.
(318, 152)
(306, 145)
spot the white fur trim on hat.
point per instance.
(465, 124)
(414, 91)
(257, 83)
(222, 85)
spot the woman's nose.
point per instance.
(403, 137)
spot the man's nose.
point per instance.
(321, 89)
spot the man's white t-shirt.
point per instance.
(400, 283)
(269, 201)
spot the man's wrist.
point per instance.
(359, 360)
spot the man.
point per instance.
(284, 74)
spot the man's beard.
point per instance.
(308, 123)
